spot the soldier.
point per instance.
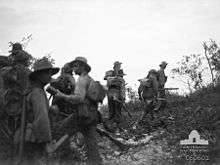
(147, 92)
(116, 94)
(15, 83)
(38, 131)
(66, 84)
(87, 110)
(62, 109)
(162, 79)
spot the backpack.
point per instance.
(146, 88)
(96, 91)
(146, 82)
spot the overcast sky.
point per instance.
(139, 33)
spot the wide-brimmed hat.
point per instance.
(163, 63)
(117, 63)
(15, 47)
(81, 60)
(43, 65)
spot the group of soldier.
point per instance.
(151, 91)
(30, 119)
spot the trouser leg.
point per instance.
(147, 110)
(118, 114)
(111, 107)
(93, 157)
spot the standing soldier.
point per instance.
(147, 92)
(87, 110)
(116, 94)
(66, 84)
(37, 126)
(15, 83)
(162, 79)
(62, 109)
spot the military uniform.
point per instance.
(87, 115)
(148, 94)
(162, 79)
(116, 96)
(38, 131)
(66, 84)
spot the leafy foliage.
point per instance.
(48, 57)
(24, 41)
(191, 68)
(132, 94)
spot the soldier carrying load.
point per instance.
(116, 94)
(147, 92)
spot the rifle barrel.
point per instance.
(168, 89)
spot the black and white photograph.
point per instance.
(109, 82)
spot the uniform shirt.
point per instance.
(37, 115)
(162, 78)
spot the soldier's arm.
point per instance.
(79, 94)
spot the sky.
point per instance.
(139, 33)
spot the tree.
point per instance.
(212, 54)
(132, 94)
(24, 41)
(190, 71)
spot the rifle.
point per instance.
(168, 89)
(23, 125)
(54, 145)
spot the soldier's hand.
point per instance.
(60, 95)
(51, 147)
(54, 109)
